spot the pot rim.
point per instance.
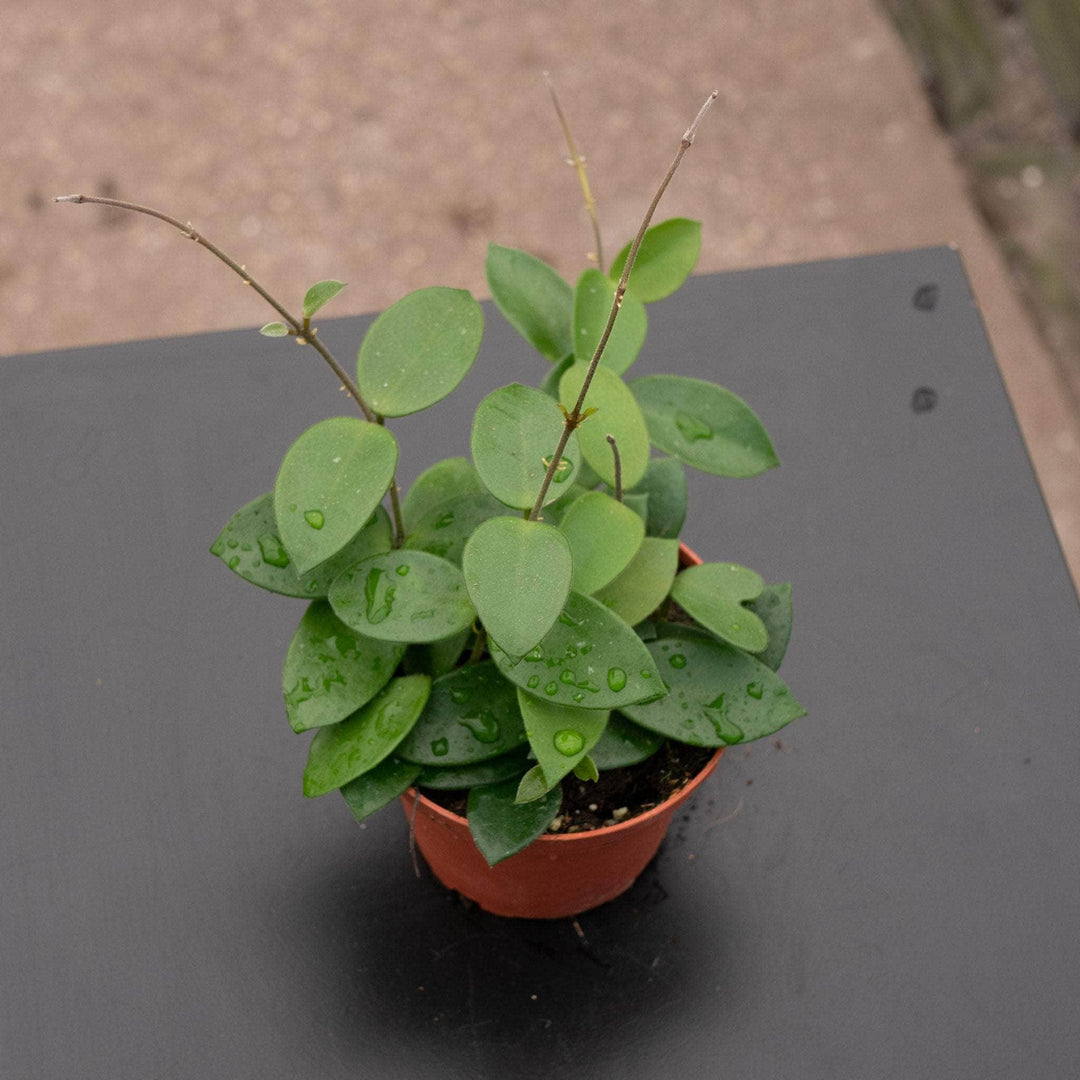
(687, 557)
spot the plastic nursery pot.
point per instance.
(557, 875)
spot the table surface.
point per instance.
(890, 889)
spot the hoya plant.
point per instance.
(518, 617)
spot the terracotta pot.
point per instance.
(557, 875)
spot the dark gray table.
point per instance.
(896, 893)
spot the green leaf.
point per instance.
(667, 254)
(518, 576)
(389, 780)
(586, 771)
(436, 658)
(713, 594)
(500, 827)
(533, 785)
(549, 384)
(403, 596)
(638, 503)
(590, 658)
(444, 480)
(274, 329)
(774, 608)
(637, 592)
(717, 694)
(604, 536)
(472, 715)
(536, 302)
(624, 743)
(553, 512)
(515, 430)
(462, 777)
(593, 298)
(444, 529)
(328, 486)
(617, 413)
(419, 349)
(665, 484)
(322, 292)
(330, 671)
(559, 736)
(344, 751)
(704, 425)
(375, 538)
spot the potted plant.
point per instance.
(519, 648)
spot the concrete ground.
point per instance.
(385, 143)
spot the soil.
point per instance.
(619, 794)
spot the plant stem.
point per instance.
(395, 502)
(573, 418)
(478, 646)
(579, 166)
(301, 328)
(618, 466)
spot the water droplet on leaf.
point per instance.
(569, 742)
(315, 518)
(484, 728)
(551, 688)
(402, 570)
(691, 428)
(677, 660)
(755, 690)
(616, 679)
(440, 747)
(273, 553)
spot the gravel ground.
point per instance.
(387, 143)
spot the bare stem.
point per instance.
(300, 328)
(574, 417)
(579, 167)
(618, 465)
(395, 507)
(478, 645)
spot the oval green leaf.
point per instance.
(518, 575)
(624, 743)
(444, 529)
(717, 694)
(472, 715)
(535, 301)
(444, 480)
(665, 484)
(590, 659)
(274, 329)
(371, 791)
(330, 671)
(668, 253)
(559, 736)
(501, 827)
(637, 592)
(419, 349)
(618, 414)
(604, 536)
(320, 294)
(593, 297)
(514, 433)
(549, 384)
(329, 484)
(462, 777)
(774, 608)
(403, 596)
(704, 425)
(713, 594)
(344, 751)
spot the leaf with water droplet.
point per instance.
(665, 484)
(624, 743)
(500, 826)
(339, 468)
(321, 293)
(704, 425)
(389, 780)
(443, 481)
(593, 297)
(712, 685)
(514, 433)
(714, 593)
(474, 699)
(641, 587)
(429, 604)
(330, 671)
(618, 414)
(518, 575)
(533, 298)
(604, 536)
(250, 537)
(667, 255)
(344, 751)
(463, 777)
(418, 350)
(445, 528)
(560, 736)
(591, 642)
